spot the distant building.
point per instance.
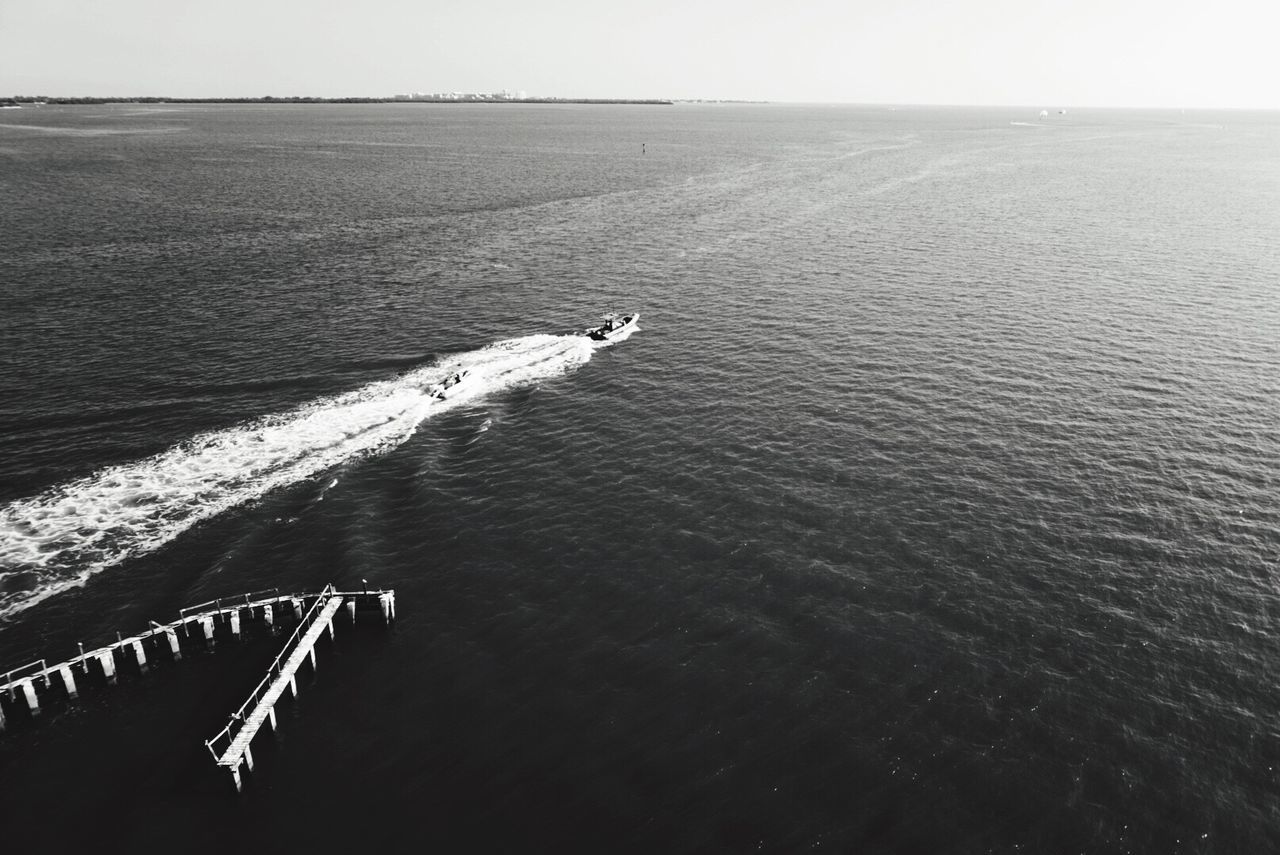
(504, 95)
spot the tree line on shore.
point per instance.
(307, 99)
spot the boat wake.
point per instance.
(58, 539)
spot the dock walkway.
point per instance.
(246, 721)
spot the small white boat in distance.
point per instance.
(614, 326)
(448, 386)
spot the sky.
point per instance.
(1051, 53)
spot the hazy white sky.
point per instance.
(1179, 53)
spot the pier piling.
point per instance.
(68, 681)
(107, 660)
(29, 692)
(174, 647)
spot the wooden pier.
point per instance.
(231, 746)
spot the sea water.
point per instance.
(932, 507)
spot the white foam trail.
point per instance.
(74, 530)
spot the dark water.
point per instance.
(933, 508)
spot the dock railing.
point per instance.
(237, 718)
(234, 602)
(35, 668)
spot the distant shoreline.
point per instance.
(296, 99)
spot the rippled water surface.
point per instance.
(932, 507)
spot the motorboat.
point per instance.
(614, 326)
(448, 386)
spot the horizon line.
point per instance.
(488, 97)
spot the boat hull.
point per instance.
(449, 387)
(628, 325)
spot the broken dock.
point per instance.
(230, 747)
